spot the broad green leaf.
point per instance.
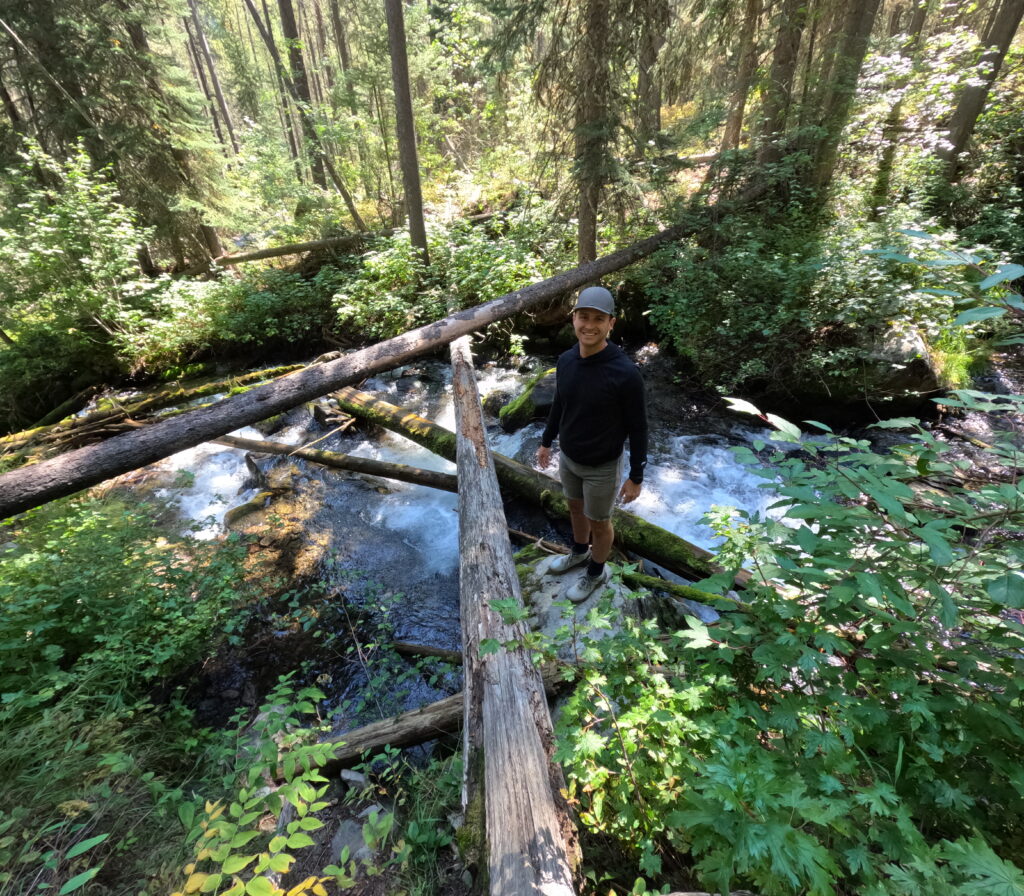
(1002, 275)
(973, 314)
(299, 840)
(260, 886)
(783, 425)
(938, 547)
(897, 423)
(916, 234)
(1008, 590)
(234, 864)
(79, 880)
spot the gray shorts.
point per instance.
(596, 486)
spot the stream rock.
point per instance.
(533, 402)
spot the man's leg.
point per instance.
(602, 534)
(581, 526)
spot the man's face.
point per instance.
(592, 328)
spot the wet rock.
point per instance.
(533, 403)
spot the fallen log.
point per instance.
(631, 532)
(528, 838)
(402, 472)
(31, 486)
(111, 411)
(418, 726)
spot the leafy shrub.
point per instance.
(98, 607)
(394, 292)
(857, 727)
(94, 587)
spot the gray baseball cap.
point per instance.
(596, 297)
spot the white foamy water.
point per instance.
(216, 474)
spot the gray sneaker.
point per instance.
(586, 585)
(564, 562)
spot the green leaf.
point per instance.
(784, 426)
(85, 846)
(488, 645)
(1008, 590)
(743, 407)
(79, 880)
(1004, 273)
(299, 840)
(897, 423)
(973, 314)
(938, 547)
(259, 886)
(234, 864)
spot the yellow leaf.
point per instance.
(190, 867)
(195, 881)
(301, 888)
(319, 889)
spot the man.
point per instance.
(599, 403)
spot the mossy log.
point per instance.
(631, 532)
(402, 472)
(97, 424)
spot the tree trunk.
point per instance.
(31, 486)
(207, 56)
(592, 125)
(529, 838)
(192, 51)
(307, 119)
(653, 27)
(849, 61)
(406, 127)
(779, 90)
(299, 80)
(972, 98)
(631, 532)
(744, 76)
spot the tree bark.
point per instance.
(857, 27)
(530, 841)
(591, 124)
(192, 51)
(299, 81)
(744, 76)
(406, 127)
(31, 486)
(779, 91)
(972, 98)
(653, 28)
(207, 56)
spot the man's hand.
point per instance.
(630, 491)
(543, 456)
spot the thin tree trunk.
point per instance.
(406, 127)
(197, 69)
(779, 90)
(299, 81)
(880, 189)
(284, 102)
(972, 97)
(307, 120)
(207, 56)
(744, 76)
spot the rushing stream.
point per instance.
(403, 538)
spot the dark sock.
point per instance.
(578, 548)
(594, 569)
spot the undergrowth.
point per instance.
(860, 729)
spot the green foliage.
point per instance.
(469, 265)
(859, 730)
(68, 272)
(263, 311)
(93, 587)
